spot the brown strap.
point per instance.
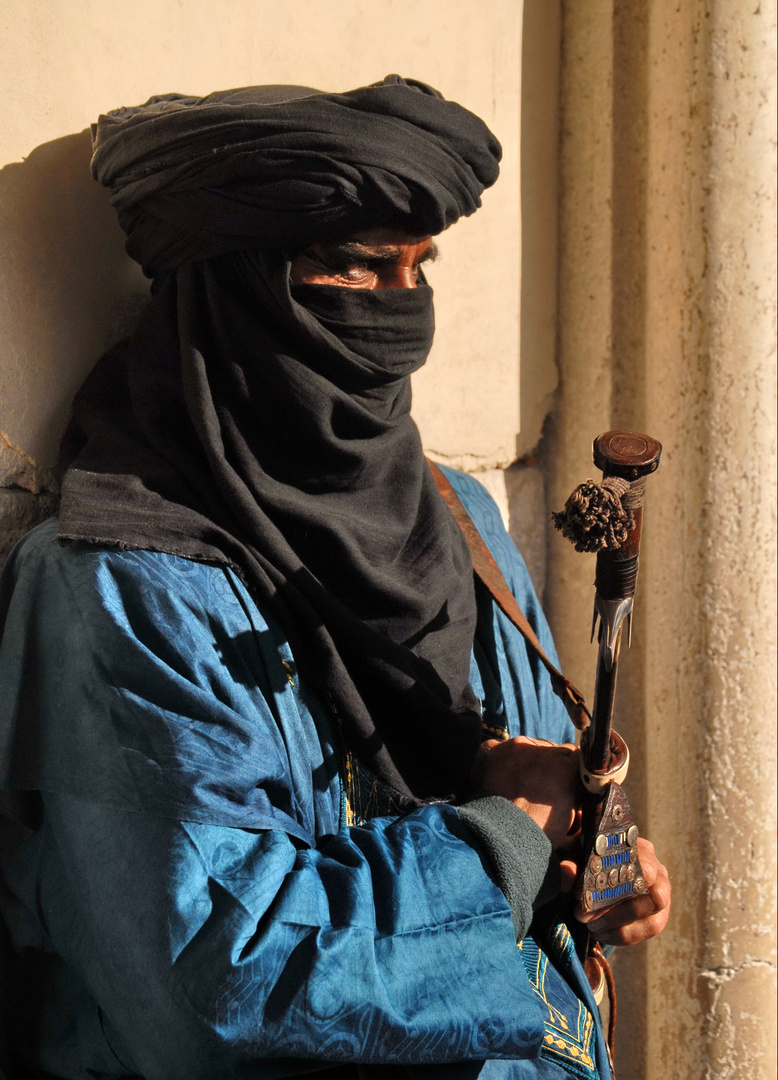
(487, 570)
(597, 967)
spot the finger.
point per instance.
(572, 837)
(575, 829)
(656, 897)
(635, 932)
(628, 911)
(635, 920)
(654, 901)
(648, 861)
(525, 740)
(569, 872)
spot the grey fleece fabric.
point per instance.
(524, 862)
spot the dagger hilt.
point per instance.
(626, 459)
(630, 457)
(607, 518)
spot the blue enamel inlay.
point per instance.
(611, 894)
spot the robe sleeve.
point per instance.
(211, 949)
(206, 909)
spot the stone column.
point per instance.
(667, 324)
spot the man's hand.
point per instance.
(538, 776)
(541, 778)
(638, 919)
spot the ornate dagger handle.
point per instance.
(608, 518)
(626, 459)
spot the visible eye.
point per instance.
(347, 270)
(393, 266)
(356, 273)
(431, 255)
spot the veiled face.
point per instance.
(383, 257)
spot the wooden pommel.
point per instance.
(627, 454)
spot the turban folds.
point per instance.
(266, 426)
(282, 166)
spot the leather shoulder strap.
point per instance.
(488, 572)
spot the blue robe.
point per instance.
(186, 894)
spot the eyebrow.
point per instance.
(345, 251)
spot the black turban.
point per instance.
(282, 166)
(266, 426)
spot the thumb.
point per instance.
(569, 872)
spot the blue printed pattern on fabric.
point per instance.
(570, 1039)
(570, 1032)
(162, 717)
(569, 1027)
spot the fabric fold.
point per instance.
(194, 177)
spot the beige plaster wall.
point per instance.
(667, 324)
(66, 284)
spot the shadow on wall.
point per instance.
(68, 292)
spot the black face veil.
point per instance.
(266, 426)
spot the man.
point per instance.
(256, 821)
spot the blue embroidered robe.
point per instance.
(186, 899)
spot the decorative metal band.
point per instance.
(615, 580)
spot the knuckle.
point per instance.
(661, 894)
(653, 926)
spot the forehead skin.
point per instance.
(382, 257)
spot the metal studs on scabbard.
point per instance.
(612, 872)
(607, 518)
